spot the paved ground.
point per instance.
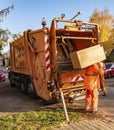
(90, 124)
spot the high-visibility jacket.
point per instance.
(91, 80)
(102, 67)
(103, 85)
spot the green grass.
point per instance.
(37, 120)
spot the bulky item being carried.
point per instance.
(87, 56)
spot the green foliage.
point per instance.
(104, 33)
(33, 120)
(5, 12)
(105, 22)
(4, 36)
(16, 35)
(110, 59)
(108, 46)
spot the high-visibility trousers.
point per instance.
(103, 85)
(92, 99)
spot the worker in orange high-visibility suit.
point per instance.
(103, 85)
(92, 84)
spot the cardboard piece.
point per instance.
(83, 58)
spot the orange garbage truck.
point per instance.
(40, 62)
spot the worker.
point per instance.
(103, 85)
(92, 84)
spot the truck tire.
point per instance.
(23, 88)
(31, 90)
(12, 84)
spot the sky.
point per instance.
(28, 14)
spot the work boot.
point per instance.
(104, 94)
(94, 112)
(88, 108)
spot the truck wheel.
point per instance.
(12, 84)
(71, 100)
(31, 90)
(22, 88)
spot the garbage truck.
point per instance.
(41, 64)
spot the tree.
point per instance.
(5, 12)
(4, 36)
(4, 33)
(105, 22)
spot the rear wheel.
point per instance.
(10, 79)
(31, 90)
(22, 88)
(12, 84)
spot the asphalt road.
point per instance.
(106, 103)
(12, 100)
